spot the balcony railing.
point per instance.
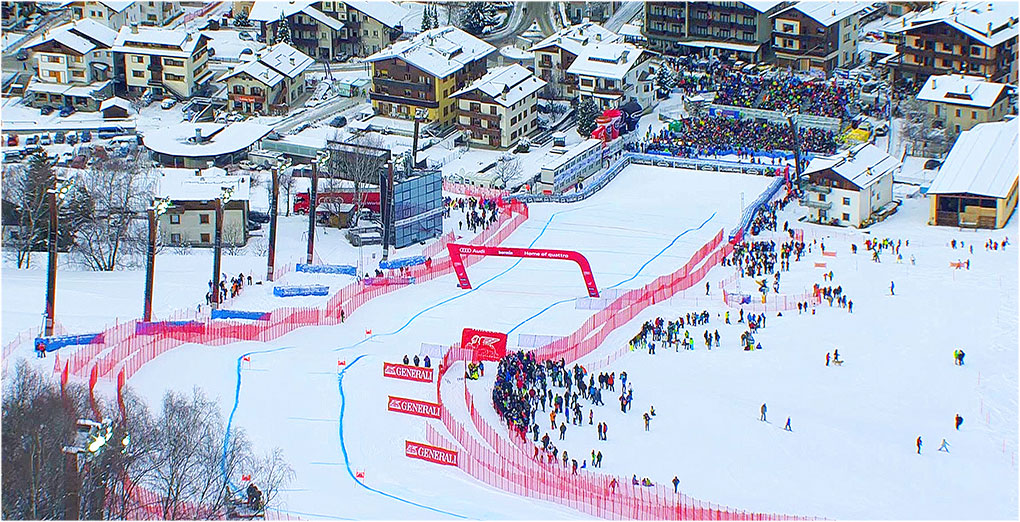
(404, 100)
(818, 188)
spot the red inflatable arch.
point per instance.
(457, 251)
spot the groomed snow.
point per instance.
(851, 454)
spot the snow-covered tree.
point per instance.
(587, 112)
(283, 31)
(665, 79)
(477, 16)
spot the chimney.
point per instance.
(198, 135)
(187, 37)
(934, 82)
(292, 60)
(134, 27)
(989, 32)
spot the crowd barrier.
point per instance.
(383, 281)
(773, 302)
(326, 269)
(475, 192)
(240, 314)
(129, 346)
(508, 462)
(402, 262)
(297, 291)
(51, 344)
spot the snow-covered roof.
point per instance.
(440, 52)
(117, 5)
(990, 23)
(607, 60)
(201, 185)
(862, 165)
(178, 140)
(279, 61)
(762, 6)
(389, 13)
(228, 46)
(958, 89)
(115, 102)
(506, 85)
(881, 48)
(82, 36)
(982, 162)
(179, 44)
(827, 13)
(631, 30)
(85, 91)
(573, 39)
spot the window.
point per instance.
(973, 115)
(204, 238)
(492, 109)
(938, 110)
(175, 239)
(821, 197)
(170, 62)
(175, 219)
(748, 20)
(748, 36)
(788, 28)
(947, 47)
(171, 77)
(78, 74)
(138, 74)
(203, 219)
(846, 201)
(846, 217)
(138, 59)
(957, 113)
(957, 129)
(975, 50)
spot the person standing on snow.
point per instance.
(676, 484)
(918, 445)
(827, 355)
(763, 409)
(945, 446)
(788, 428)
(892, 288)
(959, 421)
(647, 418)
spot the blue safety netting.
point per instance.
(293, 291)
(327, 269)
(402, 262)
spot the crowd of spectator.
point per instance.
(710, 136)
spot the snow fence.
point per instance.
(507, 461)
(327, 269)
(129, 346)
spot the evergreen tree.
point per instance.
(665, 79)
(283, 31)
(477, 16)
(587, 112)
(426, 19)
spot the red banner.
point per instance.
(432, 454)
(413, 407)
(408, 373)
(458, 251)
(486, 346)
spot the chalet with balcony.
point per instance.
(192, 218)
(332, 30)
(961, 102)
(500, 108)
(556, 53)
(816, 36)
(78, 53)
(613, 74)
(740, 28)
(121, 13)
(270, 83)
(424, 72)
(972, 38)
(850, 188)
(599, 12)
(170, 63)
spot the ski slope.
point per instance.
(850, 454)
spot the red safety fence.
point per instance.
(126, 351)
(773, 303)
(509, 462)
(475, 192)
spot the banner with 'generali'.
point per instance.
(408, 373)
(413, 407)
(430, 453)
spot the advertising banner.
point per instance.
(407, 373)
(432, 454)
(457, 252)
(486, 346)
(413, 407)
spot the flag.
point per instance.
(246, 478)
(368, 332)
(360, 475)
(819, 265)
(246, 358)
(341, 363)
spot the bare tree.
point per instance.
(506, 170)
(286, 181)
(349, 161)
(114, 192)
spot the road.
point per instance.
(627, 12)
(334, 105)
(523, 15)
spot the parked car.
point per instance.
(932, 164)
(254, 225)
(86, 136)
(45, 140)
(66, 111)
(72, 138)
(245, 36)
(32, 140)
(59, 137)
(168, 103)
(12, 140)
(882, 130)
(339, 121)
(258, 217)
(46, 110)
(22, 55)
